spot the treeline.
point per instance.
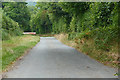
(15, 19)
(97, 20)
(76, 17)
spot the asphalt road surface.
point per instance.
(52, 59)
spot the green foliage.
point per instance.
(5, 35)
(104, 37)
(41, 23)
(9, 28)
(15, 19)
(0, 17)
(98, 20)
(19, 12)
(90, 20)
(74, 7)
(0, 26)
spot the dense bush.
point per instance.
(9, 28)
(15, 19)
(18, 12)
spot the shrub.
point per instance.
(9, 28)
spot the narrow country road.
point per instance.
(52, 59)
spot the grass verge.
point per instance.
(15, 47)
(86, 46)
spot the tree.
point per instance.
(40, 22)
(19, 12)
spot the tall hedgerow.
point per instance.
(9, 28)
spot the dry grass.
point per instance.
(64, 39)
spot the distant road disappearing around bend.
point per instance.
(52, 59)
